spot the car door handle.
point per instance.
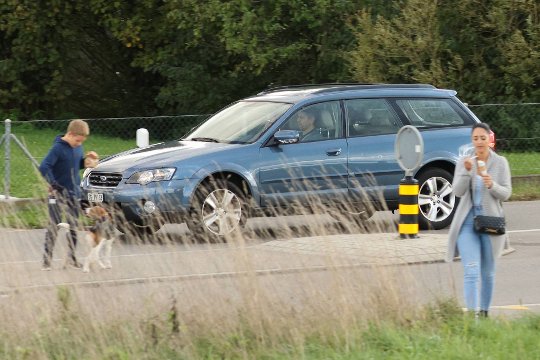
(333, 152)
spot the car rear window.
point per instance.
(367, 117)
(426, 113)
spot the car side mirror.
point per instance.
(287, 136)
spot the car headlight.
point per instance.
(147, 176)
(86, 172)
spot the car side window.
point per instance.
(316, 122)
(370, 117)
(426, 113)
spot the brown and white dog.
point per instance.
(101, 234)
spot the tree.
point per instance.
(404, 48)
(520, 49)
(475, 46)
(31, 66)
(210, 53)
(57, 61)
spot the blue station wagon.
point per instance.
(327, 147)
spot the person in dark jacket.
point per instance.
(60, 168)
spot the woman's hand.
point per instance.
(468, 164)
(488, 182)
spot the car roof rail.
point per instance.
(308, 86)
(328, 87)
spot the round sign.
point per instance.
(409, 148)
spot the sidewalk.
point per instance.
(367, 249)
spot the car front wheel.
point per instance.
(219, 211)
(436, 199)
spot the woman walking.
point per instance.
(482, 182)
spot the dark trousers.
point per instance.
(69, 207)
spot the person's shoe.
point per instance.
(483, 313)
(74, 264)
(46, 267)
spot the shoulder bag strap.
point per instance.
(472, 198)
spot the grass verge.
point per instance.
(436, 331)
(26, 182)
(527, 163)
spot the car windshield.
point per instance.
(241, 123)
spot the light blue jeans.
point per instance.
(478, 266)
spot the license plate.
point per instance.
(95, 197)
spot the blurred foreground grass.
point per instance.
(340, 313)
(435, 331)
(35, 216)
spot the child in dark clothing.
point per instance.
(60, 168)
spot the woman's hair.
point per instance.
(481, 125)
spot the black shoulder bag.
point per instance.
(493, 225)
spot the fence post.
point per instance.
(142, 137)
(7, 175)
(7, 137)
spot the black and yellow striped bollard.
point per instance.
(408, 207)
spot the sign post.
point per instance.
(409, 150)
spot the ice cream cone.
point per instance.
(482, 167)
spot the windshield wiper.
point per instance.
(207, 139)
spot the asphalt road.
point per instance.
(221, 276)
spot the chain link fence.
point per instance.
(516, 126)
(24, 144)
(517, 129)
(161, 128)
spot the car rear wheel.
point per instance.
(436, 199)
(219, 211)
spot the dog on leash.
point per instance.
(100, 235)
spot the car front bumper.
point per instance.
(164, 200)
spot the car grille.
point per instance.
(104, 179)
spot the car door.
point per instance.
(372, 126)
(312, 170)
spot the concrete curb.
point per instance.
(13, 203)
